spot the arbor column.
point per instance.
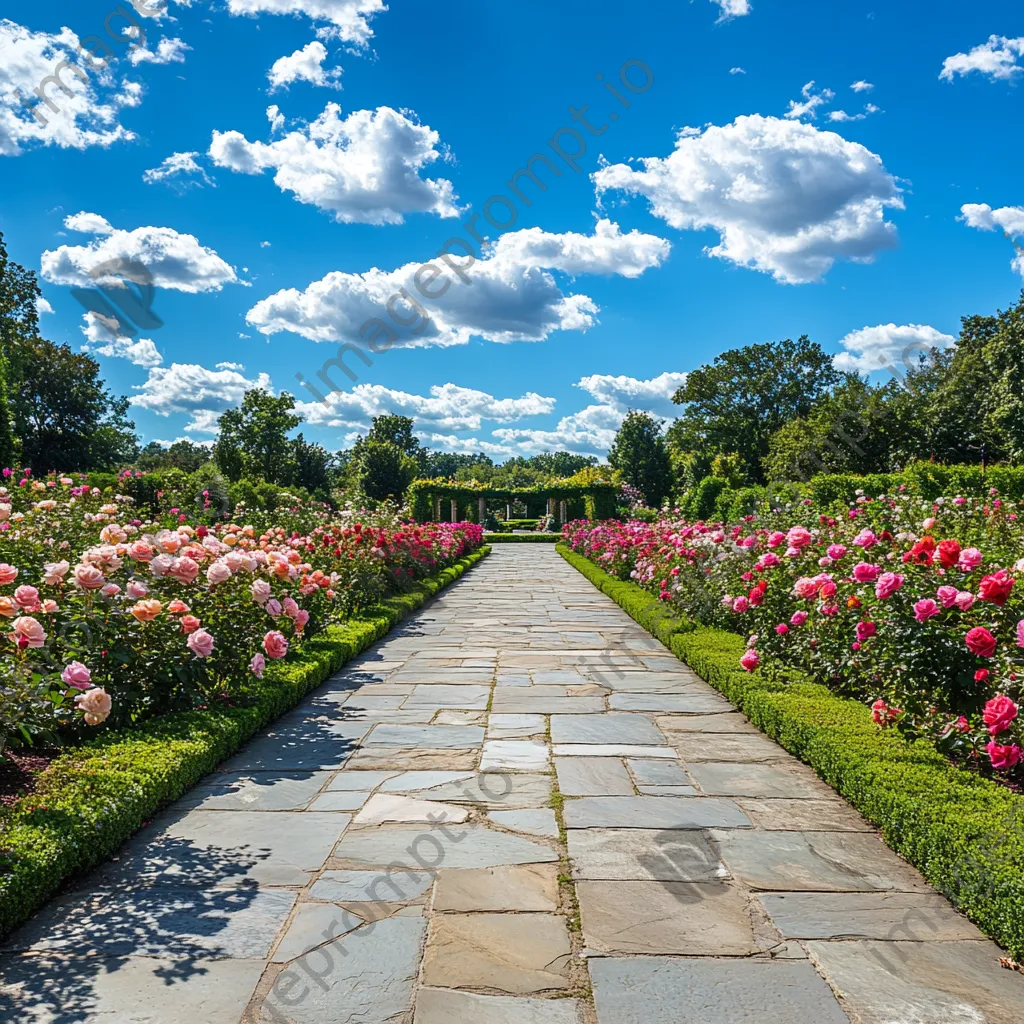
(563, 512)
(437, 508)
(455, 511)
(481, 504)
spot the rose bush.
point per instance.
(915, 607)
(110, 617)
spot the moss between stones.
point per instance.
(964, 833)
(94, 797)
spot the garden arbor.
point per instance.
(564, 500)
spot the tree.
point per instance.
(639, 453)
(397, 430)
(184, 455)
(456, 464)
(312, 465)
(383, 470)
(561, 464)
(740, 400)
(253, 439)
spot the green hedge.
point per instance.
(964, 833)
(522, 538)
(518, 524)
(93, 798)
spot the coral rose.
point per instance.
(189, 624)
(95, 703)
(28, 632)
(88, 577)
(275, 644)
(54, 573)
(8, 574)
(981, 642)
(146, 611)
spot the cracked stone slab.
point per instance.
(815, 862)
(358, 780)
(724, 722)
(313, 925)
(519, 887)
(666, 918)
(399, 759)
(365, 977)
(496, 789)
(654, 812)
(923, 982)
(92, 990)
(657, 990)
(534, 821)
(751, 779)
(472, 698)
(514, 727)
(607, 728)
(828, 815)
(341, 800)
(446, 1006)
(514, 755)
(867, 915)
(665, 855)
(516, 953)
(256, 791)
(592, 776)
(658, 773)
(386, 807)
(383, 886)
(460, 846)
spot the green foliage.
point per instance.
(703, 500)
(964, 833)
(92, 799)
(641, 457)
(522, 538)
(383, 470)
(184, 455)
(253, 439)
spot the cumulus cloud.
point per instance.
(842, 115)
(81, 107)
(808, 106)
(736, 71)
(653, 396)
(862, 86)
(42, 306)
(364, 169)
(785, 197)
(347, 20)
(304, 65)
(168, 51)
(198, 392)
(732, 8)
(888, 346)
(998, 58)
(511, 294)
(179, 170)
(447, 407)
(1008, 219)
(171, 259)
(102, 337)
(590, 431)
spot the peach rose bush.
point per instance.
(914, 607)
(106, 617)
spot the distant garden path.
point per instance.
(715, 878)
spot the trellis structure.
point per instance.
(443, 500)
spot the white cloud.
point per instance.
(365, 168)
(888, 346)
(623, 393)
(275, 117)
(168, 51)
(80, 108)
(1008, 219)
(736, 71)
(305, 65)
(862, 86)
(180, 170)
(172, 260)
(997, 58)
(732, 8)
(811, 101)
(102, 338)
(230, 366)
(264, 245)
(590, 431)
(842, 115)
(42, 306)
(458, 445)
(447, 407)
(785, 197)
(347, 20)
(193, 390)
(511, 296)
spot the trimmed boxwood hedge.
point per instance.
(91, 799)
(522, 538)
(964, 833)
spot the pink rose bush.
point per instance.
(110, 615)
(916, 606)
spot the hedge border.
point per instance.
(522, 538)
(90, 800)
(964, 833)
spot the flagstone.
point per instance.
(609, 727)
(447, 1006)
(592, 776)
(654, 812)
(521, 887)
(664, 855)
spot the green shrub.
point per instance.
(522, 538)
(93, 798)
(964, 833)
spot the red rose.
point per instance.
(981, 642)
(996, 588)
(949, 553)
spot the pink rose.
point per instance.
(999, 713)
(218, 573)
(964, 600)
(184, 570)
(865, 539)
(887, 585)
(798, 618)
(925, 609)
(782, 629)
(750, 660)
(1020, 633)
(27, 597)
(799, 537)
(775, 539)
(54, 573)
(200, 643)
(136, 590)
(828, 589)
(88, 577)
(301, 618)
(769, 560)
(257, 665)
(77, 675)
(8, 574)
(806, 588)
(947, 595)
(140, 551)
(865, 572)
(970, 558)
(740, 605)
(28, 632)
(291, 609)
(865, 629)
(260, 591)
(1003, 758)
(160, 566)
(275, 644)
(836, 551)
(981, 642)
(95, 703)
(273, 607)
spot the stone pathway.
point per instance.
(397, 850)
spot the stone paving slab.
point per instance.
(593, 776)
(654, 812)
(445, 1006)
(667, 855)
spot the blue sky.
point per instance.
(844, 170)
